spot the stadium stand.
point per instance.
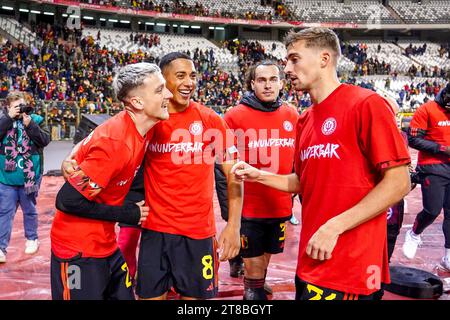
(428, 54)
(120, 40)
(334, 11)
(432, 11)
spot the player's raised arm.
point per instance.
(245, 172)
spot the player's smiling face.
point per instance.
(181, 80)
(267, 83)
(303, 65)
(155, 97)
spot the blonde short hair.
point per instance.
(316, 37)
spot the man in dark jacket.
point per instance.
(22, 138)
(430, 134)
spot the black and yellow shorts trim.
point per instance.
(309, 291)
(188, 265)
(260, 237)
(91, 278)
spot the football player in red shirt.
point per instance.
(351, 165)
(86, 262)
(178, 247)
(429, 132)
(265, 130)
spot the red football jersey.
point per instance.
(342, 146)
(110, 157)
(435, 120)
(266, 140)
(179, 171)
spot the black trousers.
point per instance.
(435, 197)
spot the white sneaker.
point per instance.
(2, 257)
(294, 220)
(31, 246)
(445, 264)
(412, 241)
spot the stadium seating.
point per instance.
(334, 11)
(120, 40)
(431, 57)
(279, 52)
(19, 32)
(397, 84)
(353, 11)
(214, 8)
(389, 53)
(235, 6)
(433, 11)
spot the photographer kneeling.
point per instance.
(22, 138)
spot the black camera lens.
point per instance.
(25, 108)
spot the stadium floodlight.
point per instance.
(196, 27)
(24, 10)
(35, 11)
(184, 26)
(175, 25)
(7, 8)
(102, 19)
(88, 18)
(74, 16)
(150, 23)
(49, 13)
(139, 22)
(124, 21)
(64, 15)
(211, 28)
(220, 28)
(113, 20)
(161, 24)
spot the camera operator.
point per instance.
(429, 133)
(23, 136)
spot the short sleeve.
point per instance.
(225, 145)
(380, 139)
(100, 160)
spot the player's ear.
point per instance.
(252, 83)
(137, 103)
(325, 58)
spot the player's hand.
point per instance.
(243, 171)
(229, 243)
(68, 167)
(26, 119)
(144, 211)
(322, 243)
(14, 112)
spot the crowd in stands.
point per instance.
(146, 40)
(434, 72)
(415, 50)
(75, 74)
(364, 66)
(444, 51)
(280, 10)
(410, 92)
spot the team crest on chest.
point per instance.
(196, 128)
(329, 126)
(287, 125)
